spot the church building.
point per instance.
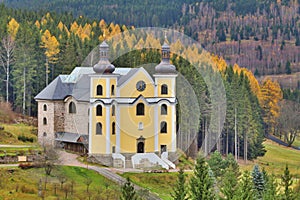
(127, 115)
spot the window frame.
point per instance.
(99, 90)
(164, 109)
(140, 109)
(99, 130)
(163, 127)
(99, 112)
(164, 89)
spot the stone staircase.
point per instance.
(148, 160)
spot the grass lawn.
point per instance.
(274, 162)
(11, 132)
(276, 158)
(158, 183)
(24, 184)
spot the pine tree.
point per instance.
(258, 181)
(229, 184)
(128, 192)
(201, 183)
(286, 183)
(179, 191)
(245, 189)
(271, 191)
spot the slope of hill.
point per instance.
(260, 35)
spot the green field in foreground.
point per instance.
(274, 162)
(23, 184)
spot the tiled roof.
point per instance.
(71, 137)
(77, 84)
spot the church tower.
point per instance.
(165, 90)
(102, 123)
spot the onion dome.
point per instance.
(165, 67)
(104, 66)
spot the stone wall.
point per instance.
(76, 122)
(46, 131)
(59, 113)
(104, 159)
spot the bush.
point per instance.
(24, 138)
(1, 128)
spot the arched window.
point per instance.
(98, 128)
(113, 90)
(140, 109)
(72, 107)
(44, 134)
(163, 127)
(45, 121)
(45, 107)
(163, 109)
(99, 90)
(164, 89)
(113, 110)
(99, 110)
(113, 128)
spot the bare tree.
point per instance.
(7, 58)
(88, 181)
(289, 120)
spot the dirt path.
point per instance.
(69, 159)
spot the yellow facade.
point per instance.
(128, 89)
(130, 128)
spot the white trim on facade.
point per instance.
(118, 131)
(173, 140)
(156, 134)
(108, 151)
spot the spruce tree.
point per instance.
(245, 187)
(179, 191)
(128, 192)
(286, 183)
(201, 183)
(271, 192)
(229, 184)
(258, 181)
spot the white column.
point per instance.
(156, 127)
(173, 87)
(173, 121)
(155, 88)
(118, 133)
(107, 130)
(107, 87)
(90, 127)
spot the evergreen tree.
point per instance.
(201, 183)
(271, 192)
(258, 181)
(288, 69)
(286, 183)
(179, 191)
(229, 184)
(245, 189)
(217, 164)
(128, 192)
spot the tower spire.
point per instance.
(104, 66)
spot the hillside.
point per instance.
(260, 35)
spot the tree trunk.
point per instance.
(24, 91)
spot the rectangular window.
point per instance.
(113, 149)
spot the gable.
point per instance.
(128, 88)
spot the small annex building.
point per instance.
(128, 115)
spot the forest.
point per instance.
(38, 46)
(262, 35)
